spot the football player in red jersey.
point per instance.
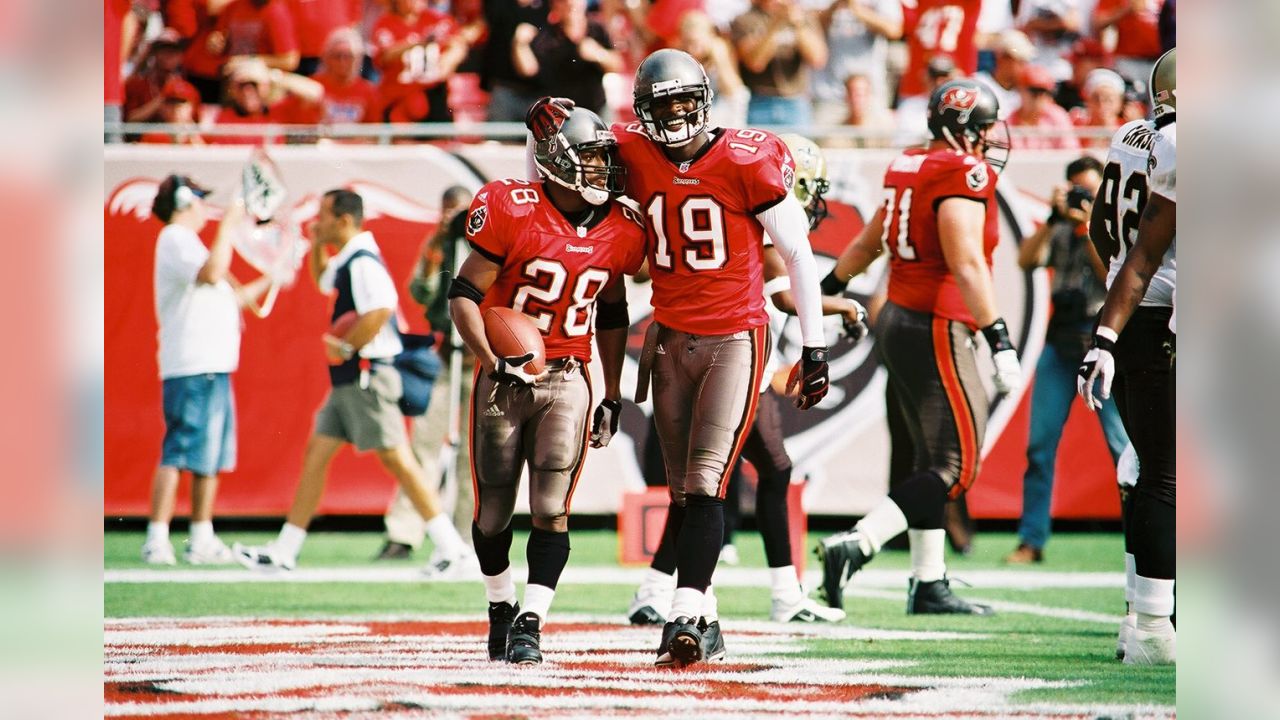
(556, 251)
(708, 195)
(938, 218)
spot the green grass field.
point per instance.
(1028, 641)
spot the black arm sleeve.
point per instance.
(462, 287)
(612, 315)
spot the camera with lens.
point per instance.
(1077, 196)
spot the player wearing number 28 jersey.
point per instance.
(556, 251)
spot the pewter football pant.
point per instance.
(705, 392)
(544, 427)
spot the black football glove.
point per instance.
(546, 115)
(810, 375)
(605, 423)
(510, 371)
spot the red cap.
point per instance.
(1035, 77)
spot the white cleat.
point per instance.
(1127, 625)
(1152, 647)
(158, 553)
(460, 566)
(651, 604)
(804, 611)
(729, 556)
(209, 552)
(263, 558)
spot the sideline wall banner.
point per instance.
(841, 446)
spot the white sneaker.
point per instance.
(1152, 647)
(209, 552)
(804, 611)
(159, 552)
(1127, 625)
(461, 566)
(263, 558)
(729, 555)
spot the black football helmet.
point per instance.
(559, 157)
(965, 113)
(664, 74)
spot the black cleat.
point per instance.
(935, 598)
(682, 643)
(523, 641)
(712, 640)
(500, 617)
(392, 550)
(841, 557)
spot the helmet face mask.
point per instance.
(811, 177)
(966, 114)
(667, 78)
(582, 157)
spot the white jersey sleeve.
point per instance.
(1126, 184)
(1163, 165)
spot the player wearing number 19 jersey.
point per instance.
(938, 219)
(708, 196)
(556, 251)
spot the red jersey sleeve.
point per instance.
(636, 250)
(966, 177)
(769, 170)
(495, 211)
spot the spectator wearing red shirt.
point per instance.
(178, 102)
(1137, 28)
(1038, 110)
(142, 91)
(120, 27)
(256, 94)
(195, 21)
(938, 27)
(417, 49)
(1103, 104)
(315, 21)
(348, 98)
(259, 29)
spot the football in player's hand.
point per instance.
(343, 324)
(512, 334)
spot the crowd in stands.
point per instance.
(1055, 65)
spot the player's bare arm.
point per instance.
(960, 224)
(218, 266)
(857, 256)
(775, 270)
(477, 272)
(1156, 230)
(611, 336)
(361, 333)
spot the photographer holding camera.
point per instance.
(1078, 290)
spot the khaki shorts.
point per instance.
(369, 418)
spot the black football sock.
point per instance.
(492, 552)
(700, 541)
(922, 498)
(772, 515)
(664, 558)
(547, 553)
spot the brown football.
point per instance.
(512, 333)
(343, 324)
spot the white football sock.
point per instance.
(785, 584)
(537, 600)
(290, 540)
(201, 532)
(1153, 596)
(654, 580)
(711, 606)
(445, 536)
(157, 532)
(882, 524)
(1130, 579)
(928, 559)
(688, 602)
(500, 587)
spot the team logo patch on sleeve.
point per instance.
(977, 178)
(475, 223)
(788, 177)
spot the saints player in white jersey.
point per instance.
(1136, 218)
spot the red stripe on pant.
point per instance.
(759, 356)
(944, 354)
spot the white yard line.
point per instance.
(607, 575)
